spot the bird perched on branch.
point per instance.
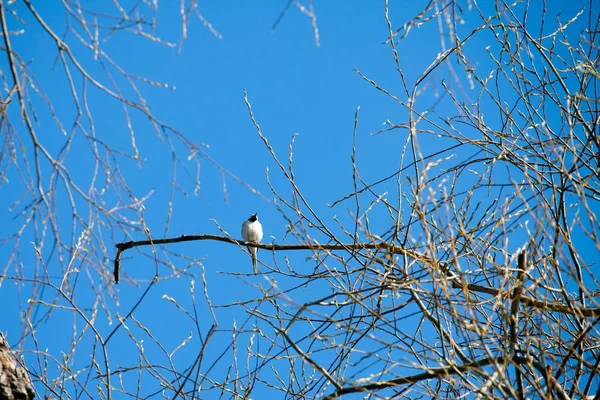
(252, 232)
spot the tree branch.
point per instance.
(450, 370)
(121, 247)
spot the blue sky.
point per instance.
(294, 86)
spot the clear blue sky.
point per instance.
(294, 86)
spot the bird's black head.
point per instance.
(253, 218)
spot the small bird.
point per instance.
(252, 232)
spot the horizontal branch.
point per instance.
(446, 371)
(121, 247)
(552, 306)
(393, 249)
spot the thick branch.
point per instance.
(553, 306)
(446, 371)
(273, 247)
(526, 300)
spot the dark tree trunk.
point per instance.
(15, 383)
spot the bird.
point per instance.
(252, 232)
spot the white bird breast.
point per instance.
(252, 231)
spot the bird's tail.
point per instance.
(253, 252)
